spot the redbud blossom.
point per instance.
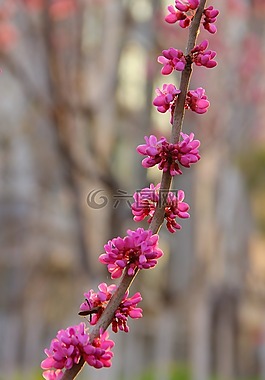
(175, 208)
(186, 5)
(168, 156)
(203, 57)
(197, 101)
(127, 308)
(172, 59)
(153, 149)
(70, 346)
(138, 250)
(53, 374)
(165, 97)
(210, 16)
(174, 15)
(179, 12)
(97, 302)
(145, 203)
(188, 150)
(147, 200)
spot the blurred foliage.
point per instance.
(178, 371)
(252, 166)
(33, 375)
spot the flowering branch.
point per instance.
(138, 250)
(104, 321)
(178, 114)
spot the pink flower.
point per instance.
(203, 57)
(165, 97)
(147, 200)
(152, 149)
(70, 345)
(172, 59)
(96, 303)
(145, 203)
(175, 208)
(174, 15)
(179, 13)
(127, 308)
(197, 101)
(138, 250)
(186, 5)
(53, 374)
(188, 152)
(168, 156)
(210, 15)
(98, 354)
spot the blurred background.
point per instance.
(76, 89)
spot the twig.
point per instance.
(166, 180)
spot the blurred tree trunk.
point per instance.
(200, 330)
(225, 328)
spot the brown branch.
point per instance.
(178, 116)
(166, 180)
(104, 320)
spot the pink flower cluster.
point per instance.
(203, 57)
(179, 12)
(172, 59)
(168, 156)
(176, 208)
(197, 101)
(166, 97)
(70, 346)
(146, 201)
(127, 309)
(138, 250)
(183, 13)
(210, 16)
(96, 303)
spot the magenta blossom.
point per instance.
(70, 346)
(96, 303)
(168, 156)
(210, 16)
(53, 374)
(197, 101)
(127, 308)
(175, 15)
(153, 149)
(186, 5)
(172, 59)
(165, 97)
(145, 203)
(147, 200)
(175, 208)
(188, 150)
(138, 250)
(203, 57)
(179, 12)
